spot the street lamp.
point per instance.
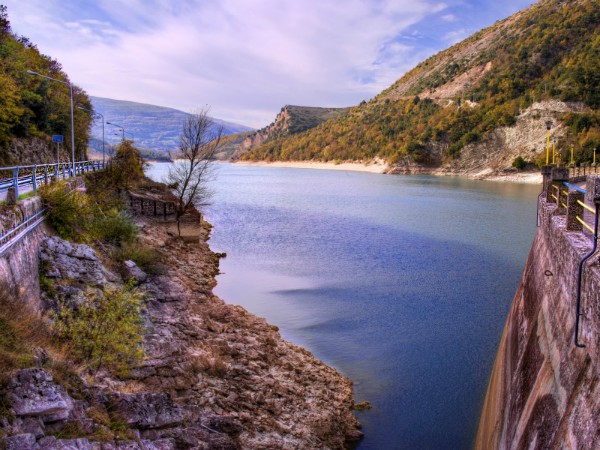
(548, 128)
(118, 126)
(101, 115)
(31, 72)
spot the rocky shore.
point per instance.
(213, 376)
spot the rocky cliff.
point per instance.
(544, 391)
(213, 375)
(289, 121)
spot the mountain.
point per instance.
(478, 105)
(290, 120)
(155, 129)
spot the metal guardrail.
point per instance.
(11, 237)
(34, 175)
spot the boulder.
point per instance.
(33, 392)
(133, 271)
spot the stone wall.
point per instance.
(21, 262)
(544, 391)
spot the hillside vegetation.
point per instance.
(455, 99)
(290, 121)
(32, 107)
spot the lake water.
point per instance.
(402, 283)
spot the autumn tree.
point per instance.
(189, 174)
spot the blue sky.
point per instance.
(246, 58)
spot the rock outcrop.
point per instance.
(290, 120)
(221, 359)
(214, 375)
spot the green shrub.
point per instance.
(77, 216)
(106, 330)
(69, 210)
(147, 259)
(519, 163)
(116, 227)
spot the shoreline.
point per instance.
(380, 167)
(371, 167)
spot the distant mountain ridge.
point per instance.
(477, 106)
(154, 128)
(290, 120)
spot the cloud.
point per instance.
(245, 58)
(449, 18)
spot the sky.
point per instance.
(246, 59)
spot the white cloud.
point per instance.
(449, 18)
(245, 58)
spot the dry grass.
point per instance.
(211, 362)
(22, 330)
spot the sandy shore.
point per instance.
(378, 166)
(530, 178)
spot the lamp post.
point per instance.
(548, 128)
(118, 126)
(101, 115)
(31, 72)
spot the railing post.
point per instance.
(45, 174)
(557, 176)
(574, 209)
(34, 178)
(16, 181)
(546, 180)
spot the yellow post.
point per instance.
(548, 127)
(553, 151)
(548, 148)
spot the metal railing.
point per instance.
(34, 175)
(594, 230)
(11, 237)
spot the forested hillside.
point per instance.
(549, 52)
(33, 108)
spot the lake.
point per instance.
(402, 283)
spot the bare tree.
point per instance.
(190, 172)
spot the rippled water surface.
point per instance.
(400, 282)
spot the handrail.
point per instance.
(31, 175)
(572, 186)
(580, 277)
(8, 239)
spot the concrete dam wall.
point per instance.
(544, 391)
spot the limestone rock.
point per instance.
(79, 262)
(147, 411)
(33, 392)
(19, 442)
(133, 271)
(76, 269)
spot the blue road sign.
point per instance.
(57, 138)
